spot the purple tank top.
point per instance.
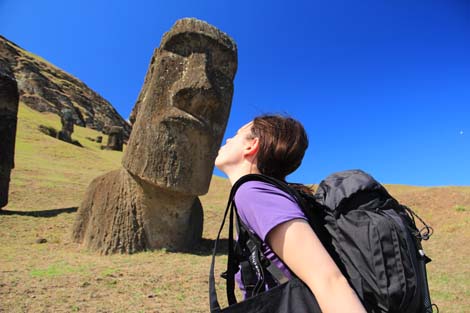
(262, 206)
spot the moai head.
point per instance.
(115, 139)
(67, 120)
(183, 108)
(9, 98)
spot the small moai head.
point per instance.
(183, 108)
(99, 139)
(115, 138)
(67, 120)
(9, 100)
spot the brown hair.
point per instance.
(282, 144)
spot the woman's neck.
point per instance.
(235, 173)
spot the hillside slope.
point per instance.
(46, 88)
(48, 183)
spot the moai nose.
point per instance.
(195, 74)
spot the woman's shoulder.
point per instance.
(260, 188)
(262, 206)
(254, 186)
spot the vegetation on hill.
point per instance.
(47, 185)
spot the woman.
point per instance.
(274, 145)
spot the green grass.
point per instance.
(56, 269)
(108, 272)
(61, 276)
(48, 166)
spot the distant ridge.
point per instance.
(46, 88)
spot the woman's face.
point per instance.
(232, 153)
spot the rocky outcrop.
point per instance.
(46, 88)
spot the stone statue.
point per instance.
(9, 99)
(65, 134)
(183, 109)
(179, 120)
(115, 138)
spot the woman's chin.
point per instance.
(220, 166)
(217, 164)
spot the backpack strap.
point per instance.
(254, 242)
(255, 245)
(213, 302)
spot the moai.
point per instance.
(99, 139)
(9, 100)
(152, 202)
(65, 134)
(115, 138)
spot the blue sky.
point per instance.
(379, 85)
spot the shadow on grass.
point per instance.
(44, 213)
(205, 247)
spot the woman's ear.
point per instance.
(251, 147)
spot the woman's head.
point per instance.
(282, 144)
(273, 143)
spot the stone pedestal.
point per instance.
(122, 213)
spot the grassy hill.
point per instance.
(48, 183)
(46, 88)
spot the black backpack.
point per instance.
(372, 238)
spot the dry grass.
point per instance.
(59, 276)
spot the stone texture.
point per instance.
(9, 99)
(178, 123)
(46, 88)
(183, 107)
(125, 214)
